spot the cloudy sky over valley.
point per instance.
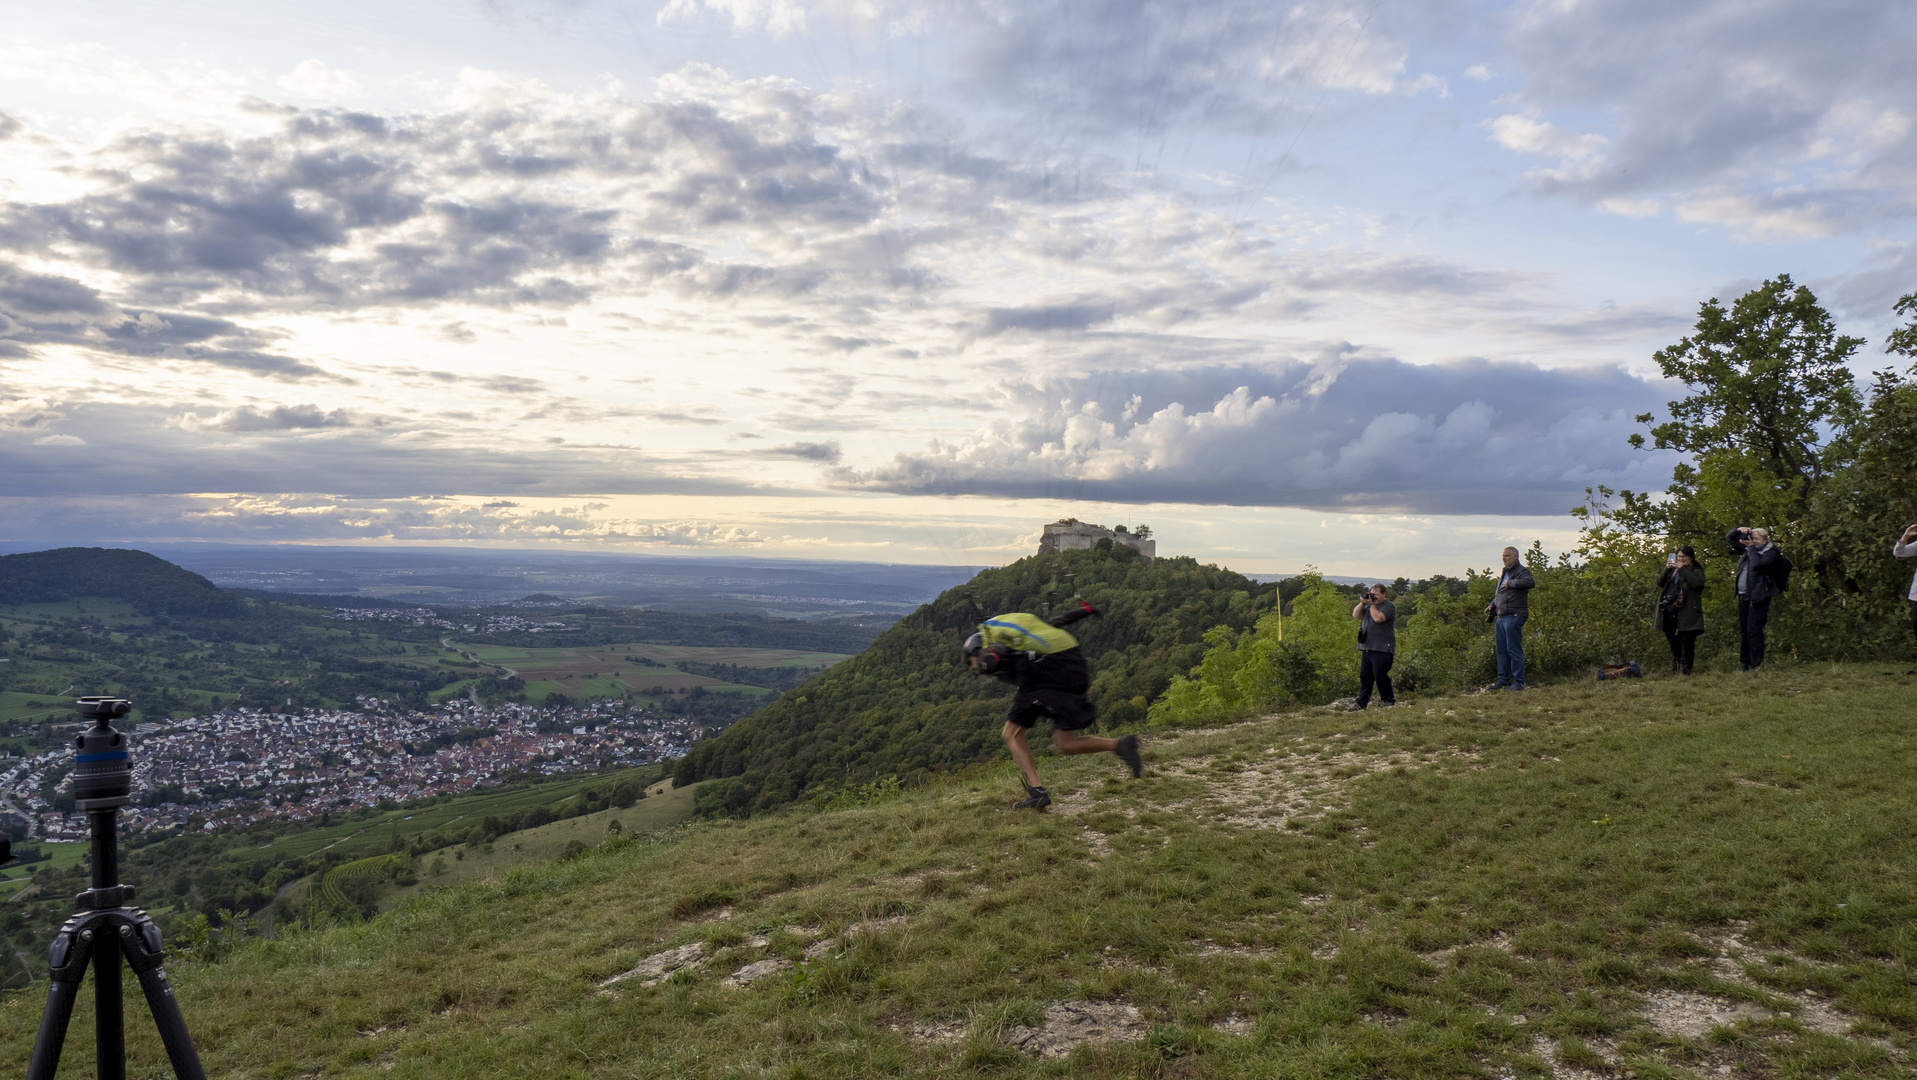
(1372, 286)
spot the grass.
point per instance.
(531, 847)
(375, 835)
(1470, 886)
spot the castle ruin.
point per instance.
(1072, 534)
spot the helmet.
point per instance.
(974, 644)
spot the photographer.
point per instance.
(1377, 647)
(1680, 607)
(1906, 548)
(1759, 568)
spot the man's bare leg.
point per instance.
(1071, 742)
(1014, 737)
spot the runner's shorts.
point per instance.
(1054, 686)
(1069, 711)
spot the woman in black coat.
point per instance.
(1680, 608)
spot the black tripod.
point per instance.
(105, 928)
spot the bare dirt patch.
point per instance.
(1685, 1015)
(932, 1032)
(1069, 1024)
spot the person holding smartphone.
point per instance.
(1906, 548)
(1680, 607)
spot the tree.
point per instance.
(1771, 390)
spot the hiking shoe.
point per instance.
(1127, 751)
(1035, 799)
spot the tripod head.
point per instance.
(102, 764)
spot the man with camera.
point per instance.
(1510, 606)
(1377, 646)
(1761, 571)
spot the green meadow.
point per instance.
(1659, 878)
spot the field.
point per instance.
(612, 670)
(1706, 878)
(64, 857)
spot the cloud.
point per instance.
(827, 453)
(1047, 318)
(1343, 433)
(156, 449)
(1135, 63)
(59, 440)
(313, 79)
(247, 418)
(1776, 120)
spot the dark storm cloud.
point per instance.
(1342, 433)
(1779, 112)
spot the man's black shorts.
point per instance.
(1054, 686)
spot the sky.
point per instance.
(1372, 287)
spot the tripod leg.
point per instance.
(109, 1015)
(67, 962)
(145, 957)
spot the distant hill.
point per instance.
(151, 584)
(908, 702)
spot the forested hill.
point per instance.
(151, 584)
(908, 702)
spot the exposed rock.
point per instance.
(1234, 1025)
(1071, 1023)
(753, 972)
(657, 967)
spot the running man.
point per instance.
(1044, 662)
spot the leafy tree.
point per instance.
(1770, 391)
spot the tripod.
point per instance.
(106, 928)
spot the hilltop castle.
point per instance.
(1071, 534)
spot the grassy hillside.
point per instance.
(1662, 879)
(908, 703)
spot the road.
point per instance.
(473, 658)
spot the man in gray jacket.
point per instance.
(1758, 563)
(1510, 605)
(1377, 646)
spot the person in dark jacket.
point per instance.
(1377, 646)
(1680, 608)
(1044, 662)
(1757, 566)
(1510, 606)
